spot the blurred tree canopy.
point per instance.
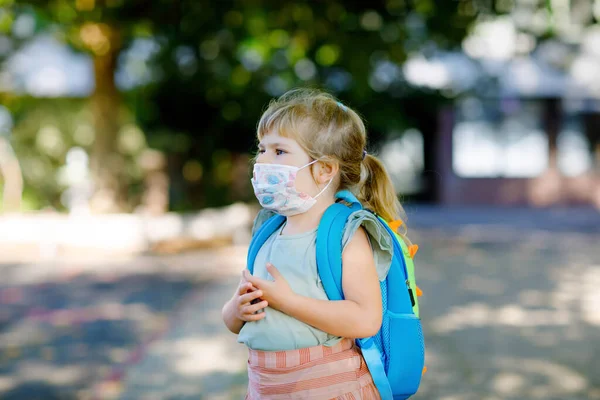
(200, 73)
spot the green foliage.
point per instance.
(46, 129)
(217, 65)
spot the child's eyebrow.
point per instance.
(275, 144)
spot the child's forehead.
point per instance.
(272, 137)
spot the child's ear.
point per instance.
(328, 169)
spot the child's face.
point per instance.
(276, 149)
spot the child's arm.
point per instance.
(359, 315)
(240, 308)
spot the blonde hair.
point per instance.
(328, 130)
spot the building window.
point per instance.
(574, 151)
(499, 138)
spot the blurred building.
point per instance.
(533, 149)
(524, 126)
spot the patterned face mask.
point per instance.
(275, 188)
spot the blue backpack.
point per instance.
(395, 355)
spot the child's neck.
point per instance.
(309, 220)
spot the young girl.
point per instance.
(301, 344)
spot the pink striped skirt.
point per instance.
(338, 372)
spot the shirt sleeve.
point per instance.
(381, 243)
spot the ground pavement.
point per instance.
(510, 311)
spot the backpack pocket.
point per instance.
(406, 354)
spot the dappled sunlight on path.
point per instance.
(510, 317)
(507, 315)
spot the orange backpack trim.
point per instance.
(419, 292)
(395, 225)
(412, 250)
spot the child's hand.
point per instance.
(277, 293)
(248, 302)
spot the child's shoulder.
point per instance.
(380, 240)
(372, 225)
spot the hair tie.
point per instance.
(343, 107)
(364, 154)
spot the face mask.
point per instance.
(275, 188)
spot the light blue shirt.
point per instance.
(295, 258)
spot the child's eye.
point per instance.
(261, 151)
(280, 152)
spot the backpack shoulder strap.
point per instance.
(329, 244)
(329, 266)
(329, 249)
(261, 236)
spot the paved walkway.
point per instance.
(197, 357)
(84, 328)
(514, 317)
(510, 311)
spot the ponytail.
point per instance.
(378, 194)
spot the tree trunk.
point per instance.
(10, 170)
(553, 122)
(592, 132)
(106, 164)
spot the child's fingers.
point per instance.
(251, 309)
(245, 277)
(252, 288)
(244, 287)
(248, 297)
(254, 317)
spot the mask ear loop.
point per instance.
(326, 186)
(324, 189)
(311, 173)
(310, 163)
